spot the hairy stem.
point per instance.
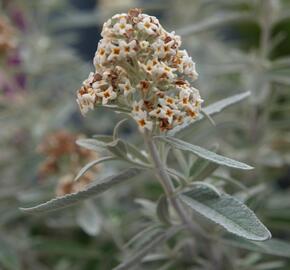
(168, 187)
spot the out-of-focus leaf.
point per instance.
(204, 153)
(214, 22)
(273, 246)
(226, 211)
(148, 207)
(89, 218)
(91, 144)
(224, 103)
(163, 210)
(9, 258)
(94, 189)
(144, 236)
(281, 62)
(201, 169)
(136, 258)
(117, 127)
(91, 164)
(212, 109)
(118, 147)
(282, 79)
(270, 265)
(142, 252)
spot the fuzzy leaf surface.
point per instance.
(94, 189)
(226, 211)
(204, 153)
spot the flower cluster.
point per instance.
(64, 157)
(140, 66)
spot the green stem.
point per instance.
(164, 178)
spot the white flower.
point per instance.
(126, 87)
(163, 71)
(85, 102)
(101, 53)
(107, 95)
(189, 66)
(90, 79)
(122, 26)
(115, 54)
(147, 26)
(144, 44)
(128, 49)
(137, 106)
(142, 121)
(162, 49)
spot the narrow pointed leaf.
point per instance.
(204, 153)
(91, 164)
(117, 127)
(272, 247)
(91, 144)
(214, 22)
(89, 218)
(224, 103)
(136, 258)
(226, 211)
(94, 189)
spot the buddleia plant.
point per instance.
(143, 73)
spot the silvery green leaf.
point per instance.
(224, 103)
(136, 258)
(117, 147)
(91, 144)
(148, 207)
(103, 138)
(117, 127)
(144, 236)
(131, 149)
(214, 22)
(155, 257)
(89, 219)
(91, 164)
(136, 153)
(204, 153)
(272, 247)
(201, 169)
(162, 210)
(226, 211)
(96, 188)
(212, 109)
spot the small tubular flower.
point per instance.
(140, 66)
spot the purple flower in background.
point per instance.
(18, 19)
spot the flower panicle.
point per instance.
(138, 64)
